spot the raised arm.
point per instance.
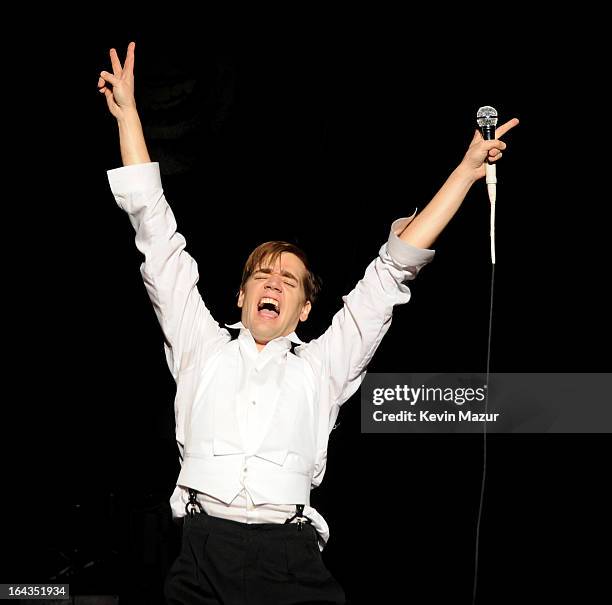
(347, 346)
(169, 273)
(122, 105)
(427, 226)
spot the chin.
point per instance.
(268, 334)
(263, 332)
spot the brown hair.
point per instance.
(270, 251)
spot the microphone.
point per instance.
(487, 121)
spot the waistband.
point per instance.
(236, 531)
(198, 516)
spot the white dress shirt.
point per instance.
(267, 392)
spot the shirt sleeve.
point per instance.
(357, 329)
(169, 273)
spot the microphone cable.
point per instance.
(487, 120)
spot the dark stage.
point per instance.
(322, 140)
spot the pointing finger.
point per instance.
(504, 128)
(115, 62)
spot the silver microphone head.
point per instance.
(487, 121)
(487, 116)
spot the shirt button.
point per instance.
(253, 402)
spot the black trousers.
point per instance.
(231, 563)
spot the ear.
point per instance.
(241, 298)
(305, 311)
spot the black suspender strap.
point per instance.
(193, 505)
(302, 519)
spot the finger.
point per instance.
(115, 63)
(504, 128)
(494, 144)
(109, 99)
(109, 78)
(129, 59)
(477, 136)
(495, 158)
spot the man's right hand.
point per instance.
(118, 87)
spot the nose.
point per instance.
(274, 282)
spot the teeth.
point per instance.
(269, 300)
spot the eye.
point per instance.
(290, 284)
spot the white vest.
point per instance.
(280, 468)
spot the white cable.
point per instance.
(493, 227)
(491, 178)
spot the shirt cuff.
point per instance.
(403, 253)
(135, 178)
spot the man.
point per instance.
(253, 414)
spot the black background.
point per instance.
(322, 136)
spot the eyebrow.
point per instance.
(284, 273)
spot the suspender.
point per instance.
(193, 507)
(302, 519)
(193, 504)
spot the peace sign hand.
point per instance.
(120, 94)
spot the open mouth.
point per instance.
(268, 308)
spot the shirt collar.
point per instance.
(293, 337)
